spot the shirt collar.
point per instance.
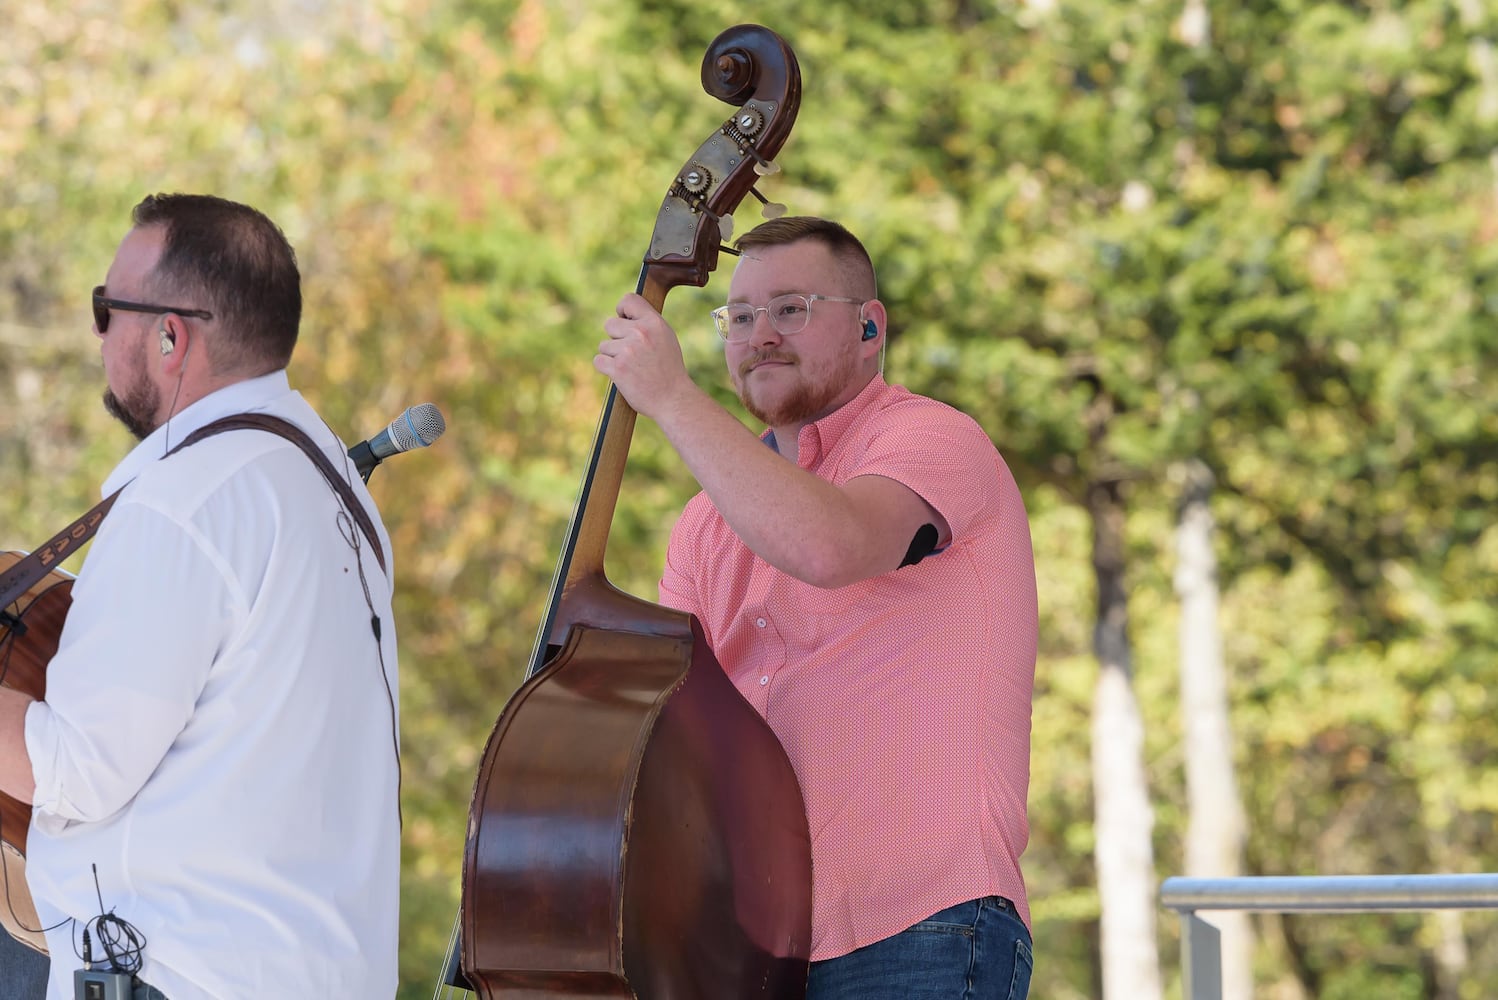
(820, 436)
(241, 397)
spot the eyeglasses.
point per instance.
(103, 305)
(788, 315)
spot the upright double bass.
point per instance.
(636, 829)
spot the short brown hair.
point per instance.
(239, 265)
(842, 244)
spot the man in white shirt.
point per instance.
(216, 761)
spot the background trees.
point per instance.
(1256, 239)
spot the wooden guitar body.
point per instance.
(29, 632)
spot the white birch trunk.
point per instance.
(1123, 819)
(1216, 830)
(1123, 822)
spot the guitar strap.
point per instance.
(32, 567)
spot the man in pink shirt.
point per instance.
(863, 573)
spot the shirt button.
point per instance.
(760, 622)
(764, 680)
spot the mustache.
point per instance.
(759, 357)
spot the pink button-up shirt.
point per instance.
(903, 701)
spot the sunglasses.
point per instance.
(103, 305)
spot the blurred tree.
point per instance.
(1122, 249)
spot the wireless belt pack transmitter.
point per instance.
(90, 983)
(97, 984)
(122, 945)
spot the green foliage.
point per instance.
(1272, 246)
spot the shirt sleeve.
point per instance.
(676, 588)
(147, 617)
(681, 584)
(941, 454)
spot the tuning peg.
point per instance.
(725, 226)
(771, 209)
(762, 166)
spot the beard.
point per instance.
(137, 409)
(810, 398)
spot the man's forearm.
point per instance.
(16, 779)
(814, 530)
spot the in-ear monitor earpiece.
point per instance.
(870, 329)
(168, 343)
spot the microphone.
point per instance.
(418, 427)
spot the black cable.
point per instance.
(123, 945)
(351, 536)
(11, 906)
(15, 628)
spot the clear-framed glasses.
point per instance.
(102, 306)
(787, 313)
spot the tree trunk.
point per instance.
(1123, 818)
(1452, 959)
(1215, 830)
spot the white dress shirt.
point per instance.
(218, 737)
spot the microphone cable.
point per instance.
(123, 944)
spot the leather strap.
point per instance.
(298, 437)
(26, 571)
(37, 563)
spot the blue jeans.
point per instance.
(23, 972)
(978, 950)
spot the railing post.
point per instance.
(1201, 945)
(1201, 958)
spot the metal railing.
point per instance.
(1201, 947)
